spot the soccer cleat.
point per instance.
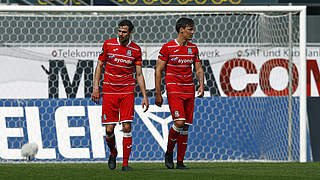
(127, 168)
(180, 165)
(168, 160)
(112, 162)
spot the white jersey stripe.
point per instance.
(126, 84)
(127, 67)
(182, 84)
(119, 93)
(179, 65)
(174, 46)
(120, 55)
(179, 93)
(172, 74)
(118, 75)
(133, 48)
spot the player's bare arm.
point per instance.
(159, 68)
(141, 83)
(95, 96)
(200, 77)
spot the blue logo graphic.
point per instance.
(174, 59)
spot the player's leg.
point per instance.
(127, 145)
(110, 117)
(110, 138)
(182, 140)
(126, 118)
(175, 104)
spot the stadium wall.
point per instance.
(69, 130)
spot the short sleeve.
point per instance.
(103, 54)
(196, 54)
(138, 60)
(163, 54)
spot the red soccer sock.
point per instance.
(111, 144)
(172, 138)
(182, 141)
(127, 144)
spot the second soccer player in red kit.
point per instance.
(120, 56)
(177, 57)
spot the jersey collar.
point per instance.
(175, 40)
(126, 45)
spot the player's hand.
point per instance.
(200, 92)
(159, 100)
(95, 96)
(145, 104)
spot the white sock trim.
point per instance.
(110, 136)
(127, 134)
(184, 132)
(176, 128)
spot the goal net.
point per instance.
(253, 58)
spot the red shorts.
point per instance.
(181, 107)
(113, 104)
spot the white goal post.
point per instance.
(127, 10)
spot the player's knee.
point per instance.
(179, 124)
(110, 129)
(126, 127)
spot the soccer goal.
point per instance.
(255, 81)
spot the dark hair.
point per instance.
(126, 23)
(183, 22)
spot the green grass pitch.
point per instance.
(155, 171)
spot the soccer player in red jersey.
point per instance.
(120, 56)
(177, 57)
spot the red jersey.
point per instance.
(179, 66)
(119, 65)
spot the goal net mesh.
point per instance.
(48, 61)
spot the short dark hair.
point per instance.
(126, 23)
(183, 22)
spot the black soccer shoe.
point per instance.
(112, 162)
(168, 160)
(127, 168)
(180, 165)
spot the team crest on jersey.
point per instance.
(189, 51)
(129, 52)
(174, 59)
(176, 114)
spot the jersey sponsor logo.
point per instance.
(176, 114)
(129, 52)
(174, 59)
(185, 61)
(189, 51)
(118, 60)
